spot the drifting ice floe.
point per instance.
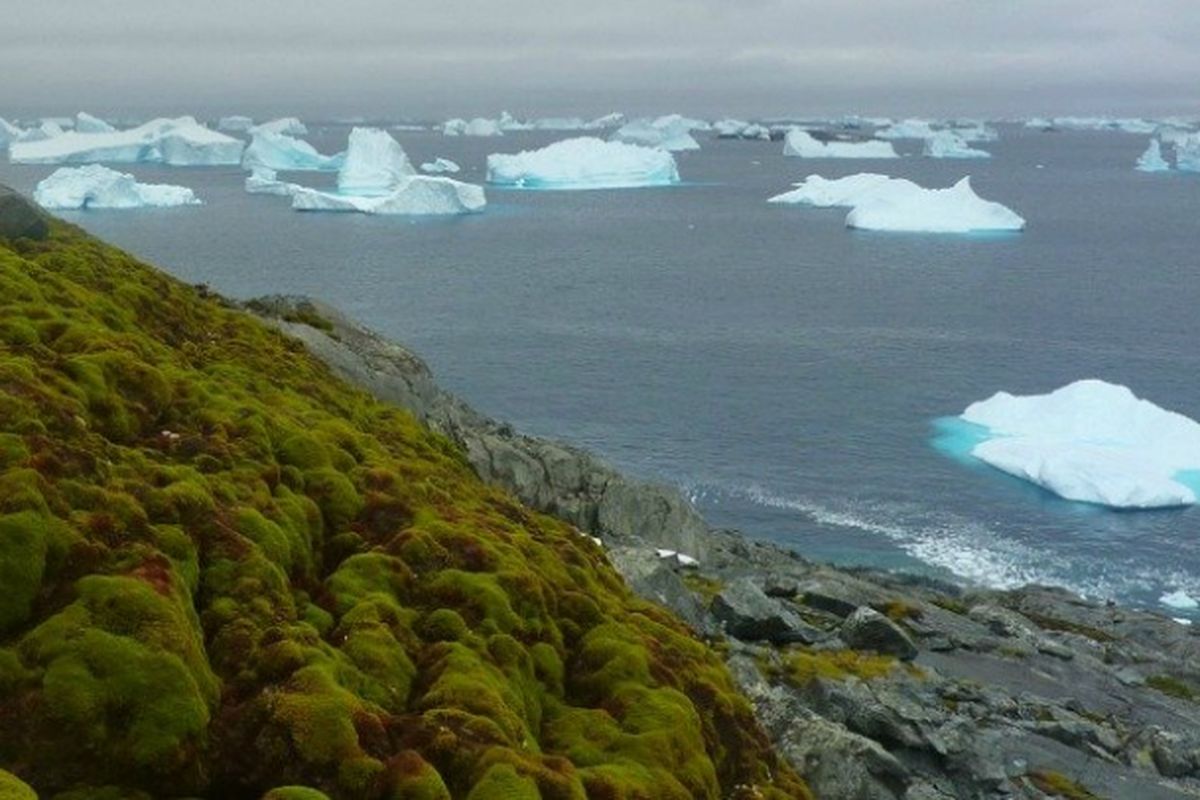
(900, 207)
(262, 180)
(949, 144)
(1152, 160)
(235, 124)
(908, 129)
(1180, 599)
(95, 186)
(824, 193)
(1091, 441)
(288, 126)
(803, 144)
(671, 133)
(178, 142)
(476, 127)
(375, 164)
(279, 151)
(440, 165)
(86, 123)
(584, 163)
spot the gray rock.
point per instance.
(21, 218)
(749, 614)
(867, 629)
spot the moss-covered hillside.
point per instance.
(225, 574)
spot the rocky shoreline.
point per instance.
(876, 686)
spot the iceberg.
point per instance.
(1121, 124)
(613, 120)
(1180, 599)
(824, 193)
(235, 124)
(905, 206)
(949, 144)
(1187, 153)
(9, 133)
(973, 132)
(440, 165)
(476, 127)
(95, 186)
(177, 142)
(288, 126)
(1152, 160)
(671, 133)
(415, 195)
(738, 129)
(908, 129)
(280, 151)
(1093, 442)
(262, 180)
(86, 123)
(584, 163)
(803, 144)
(375, 164)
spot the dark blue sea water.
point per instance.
(782, 369)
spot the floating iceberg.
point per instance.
(584, 163)
(908, 129)
(178, 142)
(973, 131)
(824, 193)
(1039, 123)
(1187, 153)
(476, 127)
(288, 126)
(671, 133)
(95, 186)
(262, 180)
(440, 165)
(1180, 599)
(905, 206)
(279, 151)
(1152, 160)
(1093, 442)
(375, 164)
(803, 144)
(415, 195)
(86, 123)
(738, 129)
(9, 133)
(948, 144)
(235, 124)
(613, 120)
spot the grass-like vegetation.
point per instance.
(1055, 784)
(228, 574)
(1173, 687)
(802, 666)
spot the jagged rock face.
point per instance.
(20, 218)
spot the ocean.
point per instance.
(784, 371)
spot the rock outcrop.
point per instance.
(20, 218)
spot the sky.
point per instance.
(430, 59)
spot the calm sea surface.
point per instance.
(783, 370)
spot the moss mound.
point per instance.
(228, 574)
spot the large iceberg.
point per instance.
(375, 164)
(908, 129)
(803, 144)
(1187, 153)
(440, 165)
(671, 133)
(86, 123)
(288, 126)
(279, 151)
(415, 195)
(905, 206)
(584, 163)
(949, 144)
(1152, 160)
(1094, 442)
(95, 186)
(825, 193)
(178, 142)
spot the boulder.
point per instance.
(867, 629)
(750, 615)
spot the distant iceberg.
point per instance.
(905, 206)
(671, 133)
(1180, 599)
(907, 129)
(1187, 153)
(949, 144)
(974, 132)
(95, 186)
(584, 163)
(178, 142)
(86, 123)
(1121, 124)
(9, 133)
(375, 164)
(439, 165)
(824, 193)
(416, 195)
(288, 126)
(280, 151)
(262, 180)
(476, 127)
(1091, 441)
(235, 124)
(803, 144)
(739, 129)
(1152, 160)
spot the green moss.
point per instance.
(22, 563)
(804, 666)
(502, 782)
(294, 793)
(1064, 626)
(1173, 687)
(1055, 784)
(12, 788)
(411, 777)
(708, 588)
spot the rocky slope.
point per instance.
(874, 686)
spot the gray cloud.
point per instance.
(430, 58)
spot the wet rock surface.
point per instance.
(874, 685)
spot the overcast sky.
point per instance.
(435, 58)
